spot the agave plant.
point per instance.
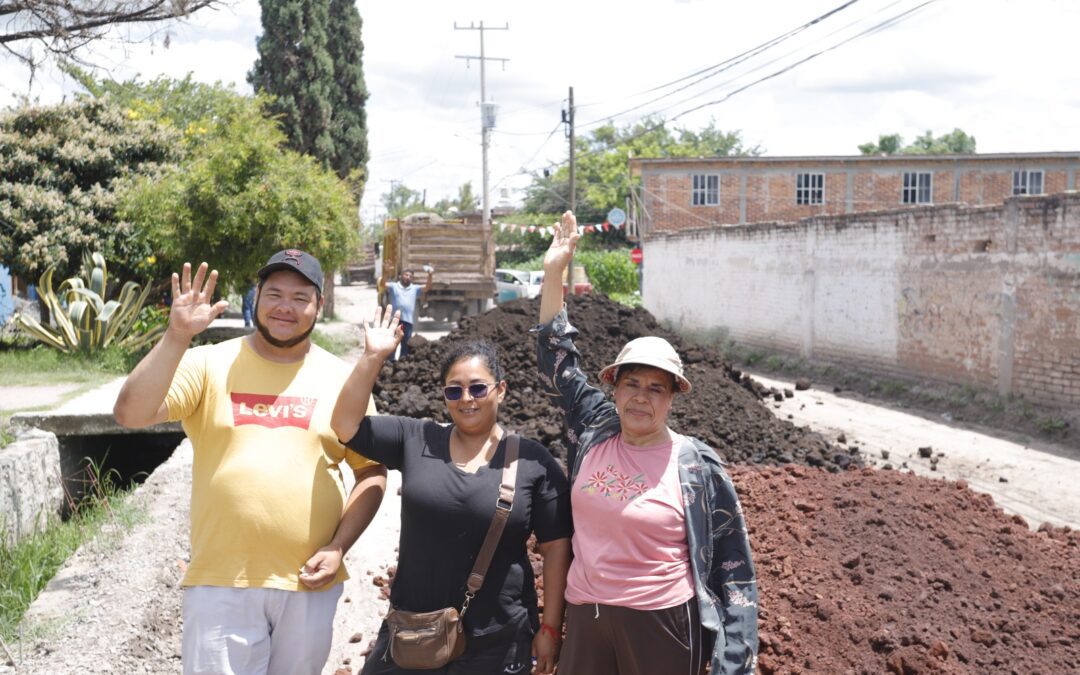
(84, 321)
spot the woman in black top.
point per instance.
(450, 479)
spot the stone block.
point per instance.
(31, 493)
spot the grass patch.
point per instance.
(103, 517)
(628, 299)
(7, 435)
(335, 344)
(1052, 426)
(27, 366)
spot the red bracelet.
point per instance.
(545, 628)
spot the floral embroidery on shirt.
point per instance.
(732, 564)
(737, 598)
(610, 482)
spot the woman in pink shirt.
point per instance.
(662, 579)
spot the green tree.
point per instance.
(311, 63)
(348, 122)
(956, 142)
(188, 106)
(466, 202)
(240, 195)
(61, 170)
(401, 201)
(603, 181)
(295, 68)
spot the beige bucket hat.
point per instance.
(648, 351)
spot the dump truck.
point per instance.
(362, 267)
(463, 255)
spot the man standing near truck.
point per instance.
(402, 296)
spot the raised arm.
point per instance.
(427, 286)
(558, 256)
(141, 401)
(381, 338)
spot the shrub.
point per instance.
(84, 321)
(610, 272)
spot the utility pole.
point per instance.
(392, 206)
(568, 119)
(487, 110)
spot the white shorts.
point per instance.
(257, 631)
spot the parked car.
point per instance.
(536, 281)
(510, 285)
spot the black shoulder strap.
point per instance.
(503, 506)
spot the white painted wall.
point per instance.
(807, 288)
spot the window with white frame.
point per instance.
(918, 187)
(1027, 182)
(810, 188)
(706, 190)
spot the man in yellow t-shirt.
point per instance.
(270, 517)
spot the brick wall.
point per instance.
(763, 189)
(982, 296)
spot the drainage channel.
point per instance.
(93, 448)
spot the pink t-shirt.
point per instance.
(629, 528)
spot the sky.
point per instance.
(1001, 70)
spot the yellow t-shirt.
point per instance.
(266, 489)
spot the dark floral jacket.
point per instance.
(723, 570)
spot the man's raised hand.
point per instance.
(191, 310)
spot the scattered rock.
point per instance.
(802, 384)
(926, 452)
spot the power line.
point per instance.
(777, 59)
(888, 23)
(729, 63)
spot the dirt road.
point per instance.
(1036, 480)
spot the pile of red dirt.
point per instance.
(724, 409)
(881, 571)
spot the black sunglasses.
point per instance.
(476, 390)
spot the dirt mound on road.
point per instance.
(880, 571)
(725, 408)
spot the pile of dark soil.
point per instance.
(724, 409)
(880, 571)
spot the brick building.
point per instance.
(681, 193)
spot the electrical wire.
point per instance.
(728, 63)
(884, 25)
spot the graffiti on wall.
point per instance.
(918, 313)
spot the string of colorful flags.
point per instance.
(549, 230)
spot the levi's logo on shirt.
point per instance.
(272, 411)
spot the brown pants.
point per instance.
(609, 640)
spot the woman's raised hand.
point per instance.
(562, 244)
(383, 333)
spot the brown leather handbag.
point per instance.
(428, 640)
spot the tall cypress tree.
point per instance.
(348, 126)
(311, 61)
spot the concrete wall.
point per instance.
(30, 490)
(985, 296)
